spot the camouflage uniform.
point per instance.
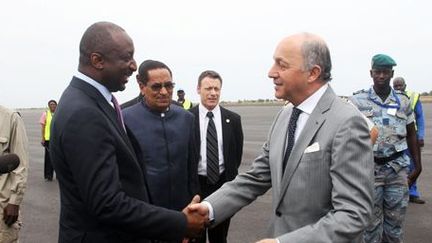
(391, 164)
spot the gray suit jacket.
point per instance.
(325, 194)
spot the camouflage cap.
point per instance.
(382, 61)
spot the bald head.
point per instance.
(97, 38)
(301, 66)
(106, 55)
(314, 52)
(399, 84)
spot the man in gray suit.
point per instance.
(316, 157)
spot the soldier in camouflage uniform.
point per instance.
(390, 111)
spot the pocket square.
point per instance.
(313, 148)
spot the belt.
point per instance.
(381, 161)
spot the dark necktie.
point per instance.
(118, 111)
(212, 151)
(291, 134)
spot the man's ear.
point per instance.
(97, 60)
(141, 86)
(314, 73)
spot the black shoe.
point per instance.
(48, 179)
(416, 200)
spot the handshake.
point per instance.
(197, 215)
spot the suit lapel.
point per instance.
(106, 108)
(313, 124)
(195, 111)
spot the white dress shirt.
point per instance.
(203, 121)
(307, 106)
(102, 89)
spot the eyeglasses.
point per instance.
(169, 86)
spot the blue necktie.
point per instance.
(291, 134)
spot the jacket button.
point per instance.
(278, 213)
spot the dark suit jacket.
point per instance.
(232, 135)
(102, 185)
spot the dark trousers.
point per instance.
(48, 168)
(219, 233)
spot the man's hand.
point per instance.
(196, 218)
(420, 143)
(201, 208)
(412, 177)
(267, 241)
(10, 214)
(43, 142)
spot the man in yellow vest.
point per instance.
(187, 104)
(416, 106)
(45, 122)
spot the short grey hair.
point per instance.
(316, 52)
(400, 79)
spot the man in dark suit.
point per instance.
(229, 144)
(104, 196)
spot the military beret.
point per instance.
(382, 61)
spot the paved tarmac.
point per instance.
(40, 210)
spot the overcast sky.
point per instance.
(40, 38)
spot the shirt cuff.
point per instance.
(210, 208)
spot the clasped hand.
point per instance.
(197, 217)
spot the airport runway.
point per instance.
(40, 209)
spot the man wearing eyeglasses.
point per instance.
(391, 113)
(165, 134)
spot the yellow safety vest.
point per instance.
(48, 119)
(414, 97)
(187, 104)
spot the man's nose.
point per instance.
(133, 65)
(163, 90)
(272, 73)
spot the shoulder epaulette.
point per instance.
(401, 93)
(344, 98)
(360, 91)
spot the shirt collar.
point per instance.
(203, 110)
(102, 89)
(391, 99)
(308, 105)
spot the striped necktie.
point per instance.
(212, 151)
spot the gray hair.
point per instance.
(316, 52)
(400, 79)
